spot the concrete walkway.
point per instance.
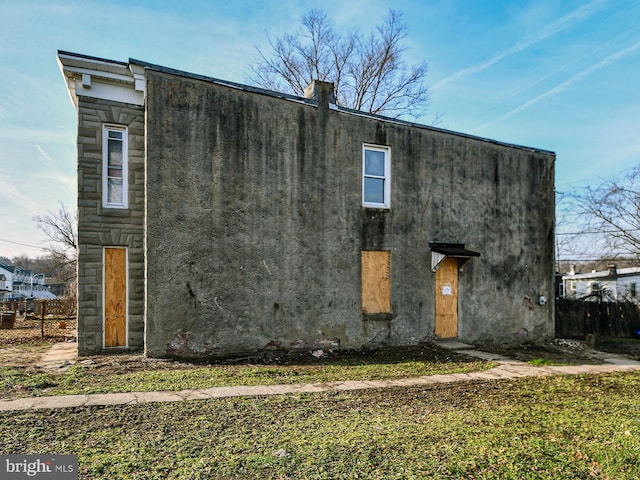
(59, 357)
(507, 369)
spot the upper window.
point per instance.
(114, 170)
(376, 176)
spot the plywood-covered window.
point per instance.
(376, 282)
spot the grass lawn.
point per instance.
(143, 376)
(80, 380)
(569, 427)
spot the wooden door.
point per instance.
(115, 297)
(447, 299)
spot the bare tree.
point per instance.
(611, 211)
(368, 73)
(60, 228)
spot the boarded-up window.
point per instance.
(376, 282)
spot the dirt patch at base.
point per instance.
(124, 363)
(558, 351)
(23, 346)
(572, 352)
(119, 363)
(629, 347)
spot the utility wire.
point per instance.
(600, 260)
(598, 232)
(22, 244)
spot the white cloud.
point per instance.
(611, 59)
(563, 23)
(14, 196)
(540, 77)
(40, 134)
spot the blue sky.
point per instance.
(552, 74)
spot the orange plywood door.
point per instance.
(447, 299)
(115, 297)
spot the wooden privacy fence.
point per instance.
(577, 319)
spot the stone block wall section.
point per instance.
(100, 227)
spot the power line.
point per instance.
(598, 232)
(21, 244)
(601, 260)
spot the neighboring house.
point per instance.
(5, 287)
(611, 285)
(16, 282)
(217, 218)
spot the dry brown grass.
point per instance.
(29, 331)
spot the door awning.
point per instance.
(440, 251)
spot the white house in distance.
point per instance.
(613, 284)
(16, 282)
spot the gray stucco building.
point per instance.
(218, 219)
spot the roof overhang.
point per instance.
(103, 79)
(441, 250)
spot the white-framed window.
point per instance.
(376, 176)
(114, 166)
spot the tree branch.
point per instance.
(367, 72)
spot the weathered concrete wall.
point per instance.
(99, 227)
(255, 226)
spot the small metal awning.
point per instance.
(441, 250)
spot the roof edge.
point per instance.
(92, 58)
(273, 93)
(286, 96)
